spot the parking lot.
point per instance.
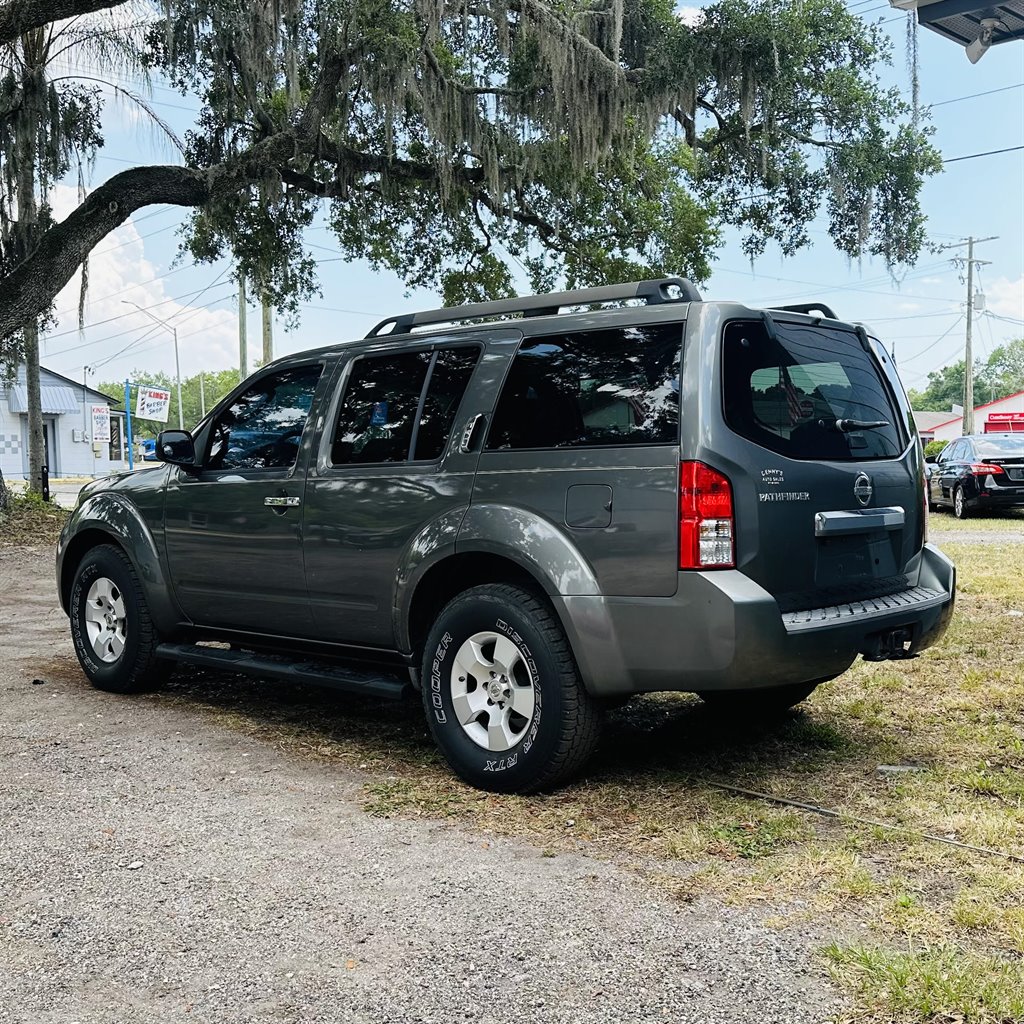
(241, 850)
(168, 855)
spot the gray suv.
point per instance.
(529, 510)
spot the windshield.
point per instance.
(787, 393)
(994, 447)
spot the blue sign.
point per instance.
(379, 416)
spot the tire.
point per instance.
(772, 700)
(111, 628)
(960, 509)
(544, 725)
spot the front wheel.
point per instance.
(111, 628)
(502, 693)
(770, 700)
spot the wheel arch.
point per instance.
(454, 574)
(104, 519)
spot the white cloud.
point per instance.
(1006, 297)
(689, 15)
(909, 307)
(120, 272)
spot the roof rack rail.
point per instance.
(809, 307)
(654, 293)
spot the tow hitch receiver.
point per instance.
(892, 645)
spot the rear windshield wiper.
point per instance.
(845, 426)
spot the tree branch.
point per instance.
(34, 283)
(19, 16)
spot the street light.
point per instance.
(177, 364)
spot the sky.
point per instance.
(922, 315)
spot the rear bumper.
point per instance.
(721, 631)
(994, 499)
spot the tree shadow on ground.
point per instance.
(657, 737)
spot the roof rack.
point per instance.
(654, 293)
(809, 307)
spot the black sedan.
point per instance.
(982, 471)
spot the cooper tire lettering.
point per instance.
(506, 705)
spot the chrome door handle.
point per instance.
(282, 502)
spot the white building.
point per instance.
(67, 427)
(993, 417)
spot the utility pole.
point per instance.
(970, 242)
(243, 341)
(268, 331)
(202, 397)
(177, 361)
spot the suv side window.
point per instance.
(262, 428)
(401, 406)
(591, 389)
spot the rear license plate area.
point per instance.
(858, 557)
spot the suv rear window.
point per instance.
(786, 394)
(592, 389)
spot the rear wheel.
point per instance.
(502, 693)
(960, 509)
(111, 628)
(770, 700)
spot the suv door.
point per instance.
(233, 530)
(388, 466)
(948, 471)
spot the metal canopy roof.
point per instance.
(960, 20)
(55, 399)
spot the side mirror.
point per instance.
(931, 459)
(176, 447)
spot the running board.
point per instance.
(316, 673)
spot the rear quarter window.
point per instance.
(592, 389)
(786, 393)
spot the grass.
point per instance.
(933, 984)
(29, 520)
(944, 937)
(1010, 521)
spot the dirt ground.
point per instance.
(156, 865)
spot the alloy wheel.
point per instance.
(105, 619)
(493, 691)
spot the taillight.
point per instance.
(983, 469)
(706, 521)
(924, 512)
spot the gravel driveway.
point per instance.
(155, 866)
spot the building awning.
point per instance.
(56, 400)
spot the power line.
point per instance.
(99, 323)
(928, 348)
(152, 330)
(974, 95)
(974, 156)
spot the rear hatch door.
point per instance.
(829, 481)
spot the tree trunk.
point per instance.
(25, 144)
(5, 498)
(36, 448)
